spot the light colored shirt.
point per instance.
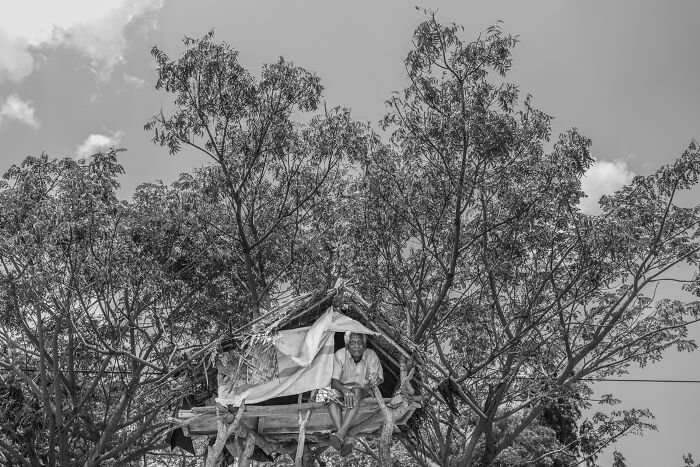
(347, 371)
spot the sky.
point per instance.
(77, 77)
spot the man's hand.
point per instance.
(352, 395)
(372, 381)
(349, 397)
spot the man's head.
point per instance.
(356, 344)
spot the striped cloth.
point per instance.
(304, 361)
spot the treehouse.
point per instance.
(270, 382)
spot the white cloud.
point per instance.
(603, 178)
(15, 61)
(134, 80)
(15, 108)
(94, 28)
(96, 143)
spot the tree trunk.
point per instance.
(223, 433)
(385, 459)
(244, 460)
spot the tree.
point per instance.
(507, 291)
(91, 328)
(462, 225)
(183, 229)
(269, 168)
(688, 460)
(618, 460)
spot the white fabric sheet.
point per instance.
(304, 360)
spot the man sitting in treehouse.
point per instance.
(355, 369)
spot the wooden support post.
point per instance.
(303, 421)
(302, 438)
(222, 435)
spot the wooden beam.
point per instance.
(264, 410)
(272, 421)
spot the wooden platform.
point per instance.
(281, 422)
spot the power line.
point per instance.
(613, 380)
(630, 380)
(606, 380)
(95, 372)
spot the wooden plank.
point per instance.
(258, 410)
(269, 410)
(280, 418)
(287, 423)
(318, 421)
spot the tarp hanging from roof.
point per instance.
(304, 361)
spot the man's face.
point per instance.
(356, 346)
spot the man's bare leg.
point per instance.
(350, 415)
(336, 415)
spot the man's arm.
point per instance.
(367, 387)
(337, 385)
(376, 373)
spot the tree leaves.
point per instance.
(92, 308)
